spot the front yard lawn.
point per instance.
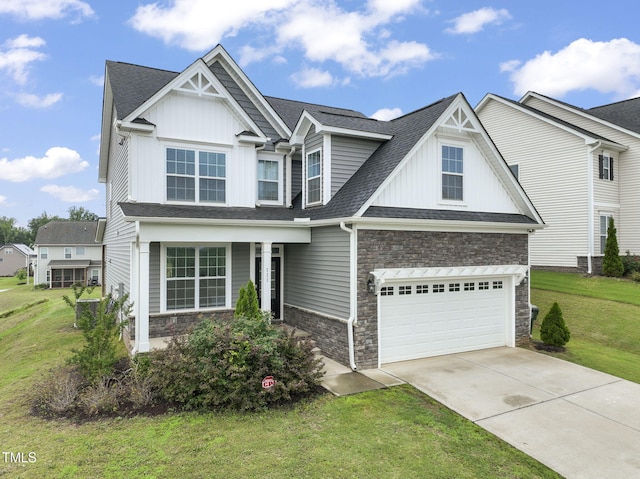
(397, 432)
(603, 315)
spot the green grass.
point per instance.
(603, 316)
(397, 432)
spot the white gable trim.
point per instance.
(176, 84)
(307, 120)
(588, 139)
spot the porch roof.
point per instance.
(73, 263)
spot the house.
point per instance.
(14, 257)
(579, 166)
(68, 253)
(386, 240)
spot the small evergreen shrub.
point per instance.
(553, 330)
(635, 276)
(221, 366)
(631, 263)
(612, 263)
(247, 305)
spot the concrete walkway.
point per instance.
(580, 422)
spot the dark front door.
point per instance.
(275, 284)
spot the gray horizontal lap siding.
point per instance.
(240, 269)
(296, 178)
(317, 274)
(154, 278)
(347, 155)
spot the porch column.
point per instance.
(142, 318)
(265, 278)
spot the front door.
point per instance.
(275, 284)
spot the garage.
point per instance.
(434, 311)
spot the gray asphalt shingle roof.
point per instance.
(290, 110)
(624, 113)
(67, 233)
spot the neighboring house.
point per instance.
(579, 167)
(67, 253)
(14, 257)
(385, 240)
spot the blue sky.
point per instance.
(381, 57)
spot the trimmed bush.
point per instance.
(553, 330)
(247, 305)
(631, 263)
(612, 263)
(221, 366)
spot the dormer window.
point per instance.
(314, 183)
(269, 181)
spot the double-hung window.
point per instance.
(605, 167)
(204, 182)
(44, 253)
(195, 277)
(604, 226)
(452, 169)
(67, 253)
(268, 180)
(313, 177)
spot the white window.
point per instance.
(314, 183)
(195, 277)
(605, 167)
(269, 174)
(183, 176)
(8, 251)
(44, 253)
(79, 250)
(67, 253)
(604, 226)
(452, 169)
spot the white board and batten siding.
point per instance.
(195, 123)
(419, 183)
(552, 171)
(316, 275)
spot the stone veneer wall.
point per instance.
(329, 334)
(421, 249)
(596, 265)
(168, 324)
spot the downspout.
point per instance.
(353, 293)
(136, 311)
(591, 230)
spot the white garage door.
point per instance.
(430, 318)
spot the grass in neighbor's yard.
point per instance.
(605, 334)
(397, 432)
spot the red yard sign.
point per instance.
(268, 382)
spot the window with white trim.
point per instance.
(422, 289)
(195, 277)
(79, 250)
(8, 251)
(202, 182)
(438, 288)
(452, 169)
(386, 291)
(269, 181)
(497, 285)
(67, 253)
(483, 285)
(604, 227)
(314, 183)
(605, 167)
(44, 253)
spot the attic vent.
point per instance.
(199, 84)
(460, 121)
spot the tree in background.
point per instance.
(612, 264)
(35, 223)
(7, 230)
(78, 213)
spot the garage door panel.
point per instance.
(435, 323)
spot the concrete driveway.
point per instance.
(580, 422)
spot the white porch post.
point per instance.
(265, 277)
(142, 300)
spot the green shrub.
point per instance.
(221, 366)
(631, 263)
(247, 305)
(553, 330)
(99, 354)
(21, 274)
(612, 263)
(635, 276)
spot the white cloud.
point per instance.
(18, 53)
(58, 161)
(312, 78)
(386, 114)
(359, 40)
(34, 101)
(201, 24)
(608, 67)
(475, 21)
(97, 80)
(3, 199)
(70, 194)
(41, 9)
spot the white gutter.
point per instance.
(353, 292)
(591, 212)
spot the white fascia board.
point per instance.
(217, 233)
(105, 130)
(128, 126)
(305, 122)
(453, 226)
(355, 133)
(219, 51)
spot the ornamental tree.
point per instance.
(553, 330)
(612, 264)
